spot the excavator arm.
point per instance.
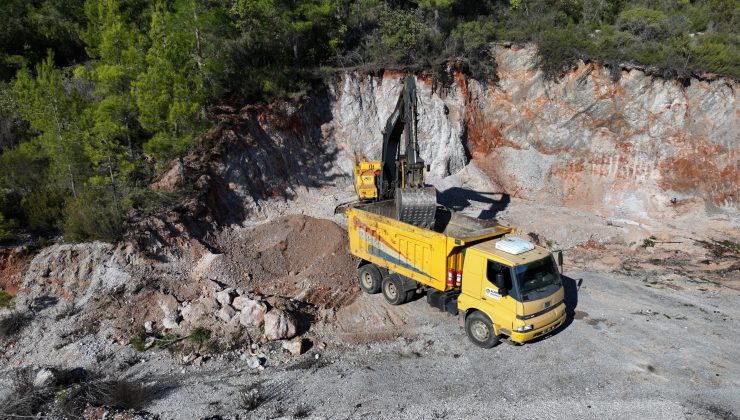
(401, 171)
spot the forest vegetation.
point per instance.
(96, 96)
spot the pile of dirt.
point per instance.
(295, 256)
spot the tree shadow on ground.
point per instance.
(458, 199)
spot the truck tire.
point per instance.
(370, 278)
(393, 290)
(479, 329)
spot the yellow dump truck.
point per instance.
(500, 285)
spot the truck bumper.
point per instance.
(531, 335)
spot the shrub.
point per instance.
(302, 411)
(649, 242)
(199, 336)
(251, 397)
(716, 52)
(43, 210)
(93, 216)
(24, 400)
(138, 342)
(643, 22)
(558, 50)
(6, 299)
(6, 228)
(403, 37)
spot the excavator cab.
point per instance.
(400, 174)
(367, 173)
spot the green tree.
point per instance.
(52, 107)
(182, 67)
(31, 27)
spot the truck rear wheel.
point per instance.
(370, 278)
(479, 329)
(393, 290)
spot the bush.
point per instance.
(24, 400)
(138, 341)
(6, 300)
(403, 37)
(251, 397)
(558, 50)
(716, 52)
(199, 336)
(43, 210)
(93, 216)
(643, 22)
(6, 228)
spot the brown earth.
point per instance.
(13, 265)
(294, 256)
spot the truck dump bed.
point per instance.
(424, 255)
(455, 225)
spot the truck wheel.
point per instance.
(370, 278)
(479, 329)
(393, 290)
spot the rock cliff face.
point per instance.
(640, 146)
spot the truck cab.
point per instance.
(513, 292)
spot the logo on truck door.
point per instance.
(492, 293)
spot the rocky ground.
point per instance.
(651, 332)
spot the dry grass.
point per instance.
(72, 391)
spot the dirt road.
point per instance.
(628, 351)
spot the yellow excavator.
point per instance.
(400, 172)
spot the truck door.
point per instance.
(501, 306)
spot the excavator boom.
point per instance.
(401, 171)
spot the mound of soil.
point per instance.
(297, 256)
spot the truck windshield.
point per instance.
(537, 279)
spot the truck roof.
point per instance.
(489, 247)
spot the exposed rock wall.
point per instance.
(641, 146)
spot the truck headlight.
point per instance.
(525, 328)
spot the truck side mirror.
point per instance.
(560, 260)
(501, 284)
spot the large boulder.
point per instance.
(280, 325)
(252, 312)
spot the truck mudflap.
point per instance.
(519, 337)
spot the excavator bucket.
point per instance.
(416, 206)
